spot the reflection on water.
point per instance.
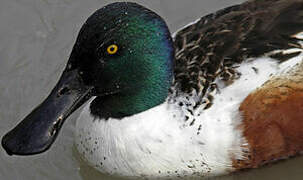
(36, 37)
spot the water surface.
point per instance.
(36, 37)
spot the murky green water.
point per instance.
(36, 37)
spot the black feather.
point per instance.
(212, 46)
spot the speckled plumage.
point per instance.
(235, 100)
(194, 132)
(214, 45)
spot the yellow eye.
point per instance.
(112, 49)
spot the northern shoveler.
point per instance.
(223, 95)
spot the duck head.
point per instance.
(123, 57)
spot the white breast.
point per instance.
(159, 143)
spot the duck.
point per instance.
(223, 94)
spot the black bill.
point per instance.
(37, 132)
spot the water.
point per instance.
(36, 37)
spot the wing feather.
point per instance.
(212, 46)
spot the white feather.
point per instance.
(159, 143)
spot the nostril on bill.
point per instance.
(63, 91)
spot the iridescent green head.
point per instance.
(123, 55)
(125, 51)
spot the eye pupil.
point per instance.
(112, 49)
